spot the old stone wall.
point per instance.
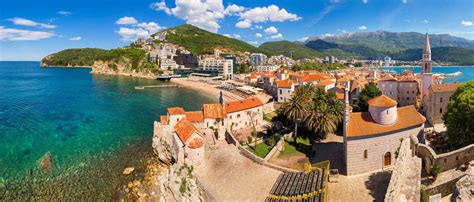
(448, 160)
(405, 181)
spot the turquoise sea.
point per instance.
(467, 72)
(94, 126)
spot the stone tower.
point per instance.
(426, 68)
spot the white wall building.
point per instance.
(224, 67)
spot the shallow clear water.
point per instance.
(76, 116)
(466, 75)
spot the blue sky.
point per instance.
(30, 30)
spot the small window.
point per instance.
(365, 154)
(440, 110)
(230, 117)
(441, 99)
(238, 115)
(408, 98)
(281, 91)
(387, 111)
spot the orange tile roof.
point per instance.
(175, 111)
(345, 79)
(340, 96)
(240, 105)
(252, 77)
(196, 143)
(284, 83)
(194, 117)
(213, 111)
(445, 87)
(184, 129)
(312, 77)
(382, 101)
(362, 124)
(164, 120)
(354, 85)
(325, 82)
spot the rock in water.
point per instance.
(128, 171)
(45, 163)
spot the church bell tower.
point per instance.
(426, 71)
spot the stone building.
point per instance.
(285, 90)
(407, 91)
(372, 138)
(437, 100)
(389, 87)
(244, 113)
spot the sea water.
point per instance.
(467, 72)
(93, 125)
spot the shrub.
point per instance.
(270, 141)
(249, 139)
(435, 169)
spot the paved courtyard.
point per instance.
(367, 187)
(229, 176)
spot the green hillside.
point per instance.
(200, 41)
(86, 57)
(288, 48)
(344, 51)
(454, 55)
(392, 42)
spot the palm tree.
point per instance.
(324, 114)
(294, 109)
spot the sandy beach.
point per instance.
(206, 88)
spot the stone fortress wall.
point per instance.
(405, 181)
(448, 160)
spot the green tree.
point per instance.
(324, 114)
(459, 117)
(370, 91)
(293, 110)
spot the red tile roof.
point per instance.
(325, 82)
(194, 117)
(382, 101)
(362, 124)
(213, 111)
(184, 129)
(240, 105)
(175, 111)
(164, 120)
(284, 83)
(445, 87)
(196, 143)
(312, 77)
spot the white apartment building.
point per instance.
(258, 59)
(224, 67)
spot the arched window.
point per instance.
(387, 159)
(441, 99)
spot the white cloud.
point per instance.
(258, 35)
(227, 35)
(65, 13)
(277, 36)
(327, 35)
(151, 27)
(258, 27)
(233, 9)
(363, 27)
(365, 1)
(7, 34)
(243, 24)
(77, 38)
(271, 30)
(253, 42)
(237, 36)
(140, 30)
(126, 21)
(404, 1)
(26, 22)
(342, 30)
(425, 21)
(160, 6)
(201, 13)
(270, 13)
(466, 23)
